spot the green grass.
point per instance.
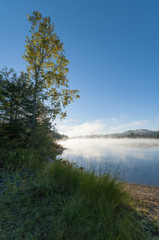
(61, 202)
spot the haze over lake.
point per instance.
(134, 160)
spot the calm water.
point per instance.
(134, 160)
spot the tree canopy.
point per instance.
(47, 65)
(31, 101)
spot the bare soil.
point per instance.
(147, 199)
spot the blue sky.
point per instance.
(113, 48)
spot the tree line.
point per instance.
(30, 101)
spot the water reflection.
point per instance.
(137, 160)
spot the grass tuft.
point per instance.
(61, 201)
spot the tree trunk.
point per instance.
(34, 106)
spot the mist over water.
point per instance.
(134, 160)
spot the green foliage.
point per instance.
(16, 99)
(60, 176)
(21, 158)
(44, 143)
(31, 101)
(47, 64)
(16, 137)
(15, 156)
(33, 209)
(67, 178)
(15, 108)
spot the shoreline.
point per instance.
(147, 199)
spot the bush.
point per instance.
(38, 149)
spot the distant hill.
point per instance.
(139, 133)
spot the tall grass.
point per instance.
(96, 206)
(66, 178)
(62, 202)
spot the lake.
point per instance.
(133, 160)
